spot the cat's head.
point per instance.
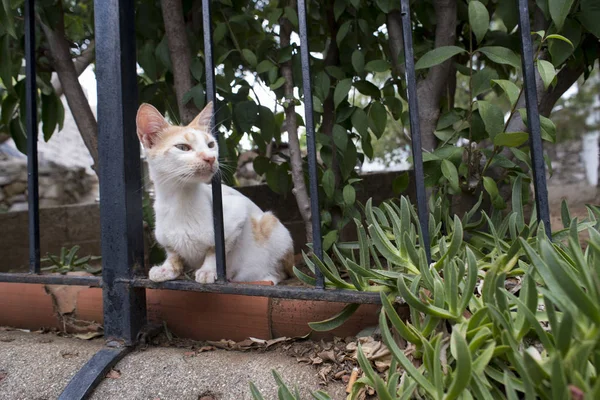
(178, 154)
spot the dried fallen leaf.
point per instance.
(3, 375)
(68, 354)
(327, 356)
(114, 374)
(6, 339)
(88, 335)
(189, 354)
(206, 348)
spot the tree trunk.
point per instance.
(78, 103)
(300, 191)
(81, 63)
(181, 59)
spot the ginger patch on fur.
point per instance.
(262, 228)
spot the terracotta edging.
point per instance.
(193, 315)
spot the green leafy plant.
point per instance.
(502, 311)
(68, 261)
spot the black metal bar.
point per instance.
(415, 128)
(32, 138)
(533, 119)
(92, 373)
(211, 95)
(279, 292)
(120, 177)
(93, 281)
(309, 123)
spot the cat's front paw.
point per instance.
(206, 276)
(162, 273)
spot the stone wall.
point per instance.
(80, 224)
(58, 185)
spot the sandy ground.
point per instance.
(36, 366)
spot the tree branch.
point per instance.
(181, 59)
(81, 63)
(78, 103)
(431, 89)
(300, 191)
(394, 28)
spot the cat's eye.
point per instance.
(183, 147)
(211, 145)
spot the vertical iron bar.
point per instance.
(211, 95)
(310, 139)
(120, 177)
(32, 138)
(533, 119)
(415, 128)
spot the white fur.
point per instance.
(184, 221)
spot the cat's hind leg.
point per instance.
(208, 272)
(169, 270)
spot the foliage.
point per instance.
(357, 96)
(69, 261)
(501, 312)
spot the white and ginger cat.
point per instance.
(182, 160)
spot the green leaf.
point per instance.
(284, 392)
(335, 321)
(402, 359)
(18, 135)
(377, 66)
(322, 85)
(377, 118)
(9, 19)
(559, 9)
(6, 63)
(328, 183)
(329, 239)
(547, 72)
(548, 127)
(590, 15)
(451, 173)
(482, 81)
(490, 186)
(49, 114)
(255, 392)
(358, 61)
(349, 195)
(360, 121)
(367, 88)
(561, 50)
(291, 15)
(338, 8)
(245, 114)
(264, 66)
(195, 94)
(400, 183)
(341, 91)
(512, 139)
(559, 37)
(278, 83)
(501, 55)
(479, 19)
(438, 56)
(342, 32)
(492, 117)
(510, 89)
(340, 137)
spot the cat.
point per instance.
(182, 161)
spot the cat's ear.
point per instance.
(202, 121)
(150, 123)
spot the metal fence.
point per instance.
(120, 179)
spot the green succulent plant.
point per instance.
(68, 261)
(501, 312)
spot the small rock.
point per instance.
(15, 188)
(18, 207)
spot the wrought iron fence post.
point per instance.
(120, 178)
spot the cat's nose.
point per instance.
(208, 159)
